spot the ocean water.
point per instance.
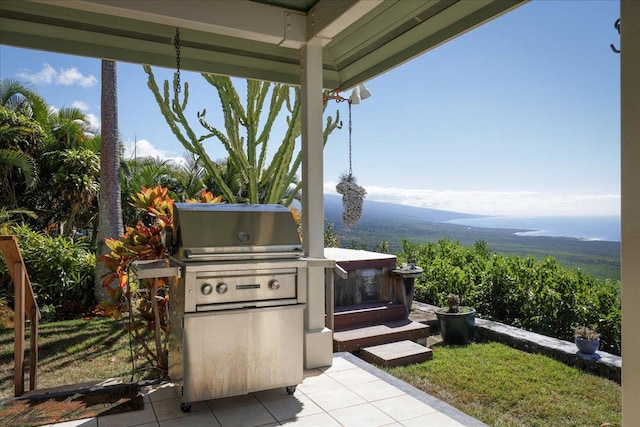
(579, 227)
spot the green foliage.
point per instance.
(537, 295)
(248, 175)
(392, 223)
(61, 271)
(330, 237)
(145, 300)
(383, 247)
(502, 386)
(38, 143)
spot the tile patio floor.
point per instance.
(349, 393)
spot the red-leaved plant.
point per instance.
(145, 300)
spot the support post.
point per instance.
(630, 192)
(318, 340)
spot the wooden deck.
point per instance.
(382, 333)
(350, 316)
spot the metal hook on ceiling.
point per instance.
(616, 25)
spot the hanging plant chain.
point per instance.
(176, 44)
(350, 163)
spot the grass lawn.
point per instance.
(71, 352)
(492, 382)
(502, 386)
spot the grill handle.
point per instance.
(191, 255)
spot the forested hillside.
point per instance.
(394, 223)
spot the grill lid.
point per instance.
(228, 231)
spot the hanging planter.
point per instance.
(352, 193)
(352, 199)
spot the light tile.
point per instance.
(131, 418)
(148, 425)
(403, 407)
(375, 390)
(365, 415)
(436, 419)
(231, 402)
(336, 398)
(244, 416)
(170, 408)
(322, 419)
(162, 392)
(339, 364)
(351, 377)
(292, 407)
(273, 394)
(317, 383)
(201, 419)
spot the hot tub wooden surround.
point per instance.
(370, 311)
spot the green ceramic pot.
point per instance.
(457, 328)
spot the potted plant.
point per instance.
(456, 322)
(587, 339)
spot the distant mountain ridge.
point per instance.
(383, 210)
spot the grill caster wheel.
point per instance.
(185, 407)
(291, 389)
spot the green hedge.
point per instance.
(61, 272)
(536, 295)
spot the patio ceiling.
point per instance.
(259, 39)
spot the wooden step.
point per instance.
(398, 353)
(357, 338)
(348, 317)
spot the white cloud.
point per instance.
(143, 148)
(82, 106)
(503, 203)
(72, 76)
(45, 76)
(94, 121)
(65, 77)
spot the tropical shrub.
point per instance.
(60, 269)
(536, 295)
(143, 302)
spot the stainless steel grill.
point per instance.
(235, 314)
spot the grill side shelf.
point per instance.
(155, 268)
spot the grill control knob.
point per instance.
(274, 285)
(206, 288)
(221, 288)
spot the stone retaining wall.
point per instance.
(603, 364)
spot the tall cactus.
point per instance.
(246, 142)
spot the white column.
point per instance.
(630, 259)
(318, 340)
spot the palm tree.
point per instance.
(22, 99)
(109, 202)
(20, 139)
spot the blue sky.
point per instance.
(520, 116)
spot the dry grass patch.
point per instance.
(71, 352)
